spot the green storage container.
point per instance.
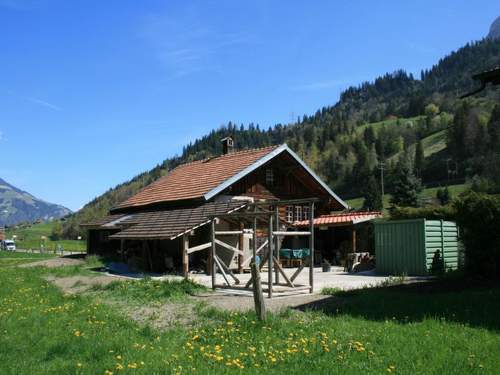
(410, 246)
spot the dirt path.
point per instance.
(79, 284)
(237, 302)
(54, 262)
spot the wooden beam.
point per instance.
(199, 247)
(228, 270)
(248, 260)
(277, 244)
(270, 258)
(227, 246)
(241, 239)
(292, 233)
(285, 202)
(228, 232)
(262, 246)
(353, 234)
(221, 269)
(233, 232)
(185, 255)
(311, 246)
(261, 265)
(212, 254)
(297, 273)
(280, 270)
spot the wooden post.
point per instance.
(353, 233)
(241, 239)
(212, 255)
(311, 246)
(277, 240)
(254, 240)
(185, 256)
(258, 297)
(270, 257)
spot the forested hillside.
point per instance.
(395, 116)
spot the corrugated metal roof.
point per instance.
(342, 218)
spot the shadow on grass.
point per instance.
(475, 303)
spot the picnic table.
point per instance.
(294, 253)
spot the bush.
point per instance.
(447, 212)
(478, 216)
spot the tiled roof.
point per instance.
(107, 220)
(168, 224)
(194, 180)
(342, 218)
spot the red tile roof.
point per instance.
(194, 180)
(342, 218)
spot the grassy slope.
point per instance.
(29, 238)
(426, 194)
(378, 331)
(392, 122)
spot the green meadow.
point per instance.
(442, 327)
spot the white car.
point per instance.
(9, 245)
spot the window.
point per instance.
(298, 213)
(289, 214)
(305, 213)
(269, 177)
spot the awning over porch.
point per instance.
(344, 218)
(163, 224)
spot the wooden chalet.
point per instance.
(165, 227)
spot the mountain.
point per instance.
(495, 29)
(371, 122)
(19, 206)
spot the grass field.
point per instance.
(429, 329)
(429, 193)
(30, 238)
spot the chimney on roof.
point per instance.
(227, 145)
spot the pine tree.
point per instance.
(406, 185)
(373, 195)
(494, 129)
(419, 159)
(443, 195)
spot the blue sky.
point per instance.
(95, 92)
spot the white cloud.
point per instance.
(43, 103)
(186, 44)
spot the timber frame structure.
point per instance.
(199, 218)
(255, 215)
